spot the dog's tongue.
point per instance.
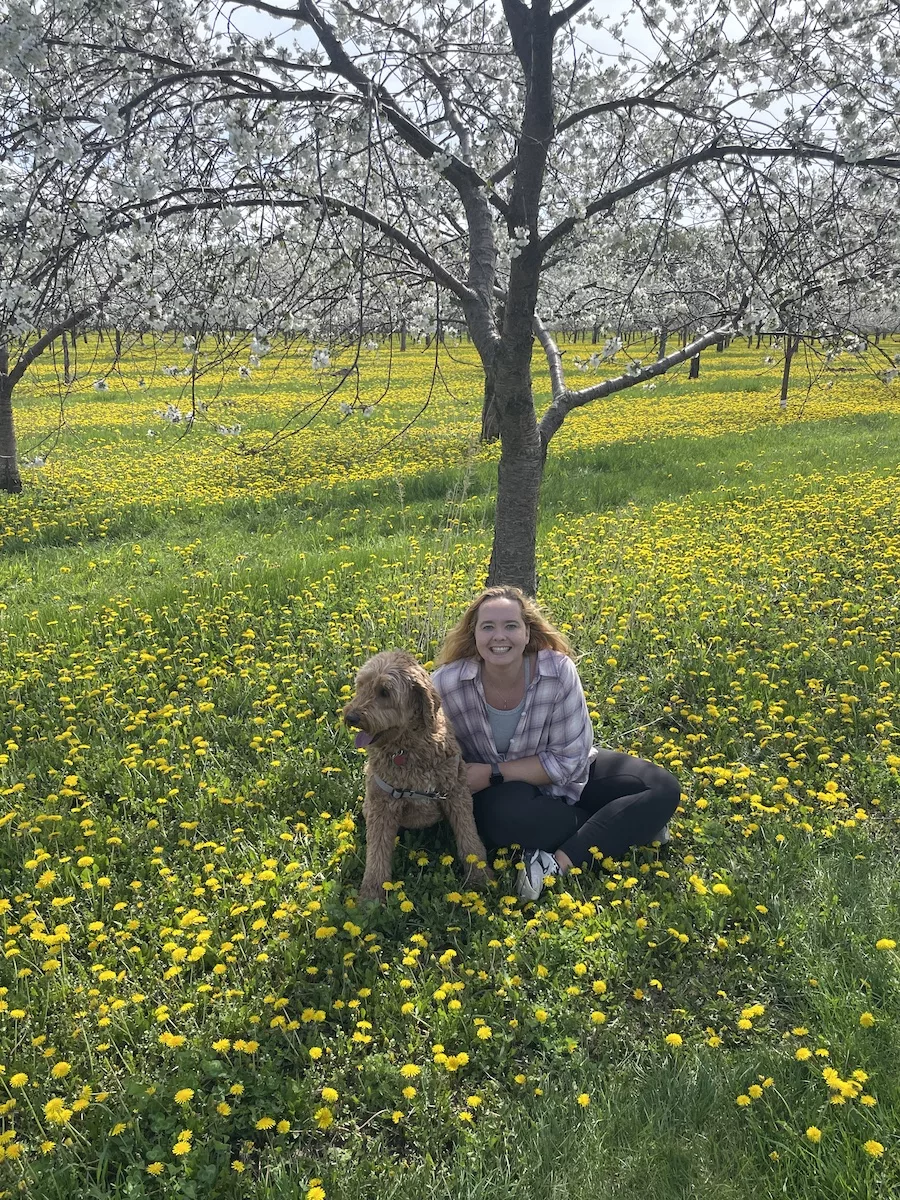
(362, 739)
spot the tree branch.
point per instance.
(554, 358)
(566, 14)
(34, 352)
(564, 403)
(442, 276)
(711, 153)
(458, 173)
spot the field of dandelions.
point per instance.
(192, 1002)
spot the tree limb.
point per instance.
(711, 153)
(554, 358)
(564, 403)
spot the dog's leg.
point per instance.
(468, 843)
(381, 831)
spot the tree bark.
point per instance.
(10, 479)
(521, 468)
(791, 346)
(694, 372)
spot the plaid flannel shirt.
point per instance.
(554, 724)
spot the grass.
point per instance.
(181, 841)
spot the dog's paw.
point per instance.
(479, 878)
(371, 893)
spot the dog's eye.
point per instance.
(383, 692)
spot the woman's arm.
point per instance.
(529, 770)
(571, 734)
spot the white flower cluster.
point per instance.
(173, 414)
(321, 360)
(518, 240)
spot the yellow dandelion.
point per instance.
(873, 1148)
(814, 1134)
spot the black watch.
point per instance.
(496, 778)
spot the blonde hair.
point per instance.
(459, 641)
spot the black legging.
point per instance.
(625, 802)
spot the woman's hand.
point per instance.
(478, 776)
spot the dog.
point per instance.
(415, 774)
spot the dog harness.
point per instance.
(406, 793)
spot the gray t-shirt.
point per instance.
(504, 721)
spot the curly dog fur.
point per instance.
(411, 747)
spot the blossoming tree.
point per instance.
(478, 142)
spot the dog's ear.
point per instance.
(427, 701)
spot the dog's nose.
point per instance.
(351, 717)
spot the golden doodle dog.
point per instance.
(415, 775)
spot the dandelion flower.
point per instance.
(584, 1099)
(885, 944)
(155, 1168)
(866, 1020)
(60, 1070)
(184, 1096)
(875, 1149)
(814, 1134)
(265, 1123)
(674, 1039)
(410, 1071)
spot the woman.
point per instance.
(516, 703)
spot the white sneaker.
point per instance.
(663, 837)
(536, 866)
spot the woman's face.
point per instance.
(501, 634)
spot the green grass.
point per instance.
(751, 574)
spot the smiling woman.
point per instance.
(516, 703)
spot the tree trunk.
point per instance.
(521, 468)
(663, 339)
(67, 366)
(694, 372)
(403, 335)
(10, 479)
(791, 346)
